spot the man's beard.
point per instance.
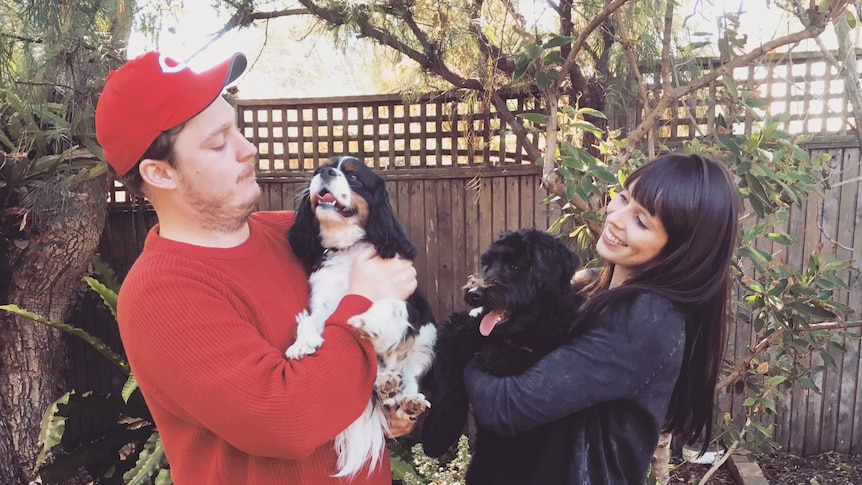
(216, 214)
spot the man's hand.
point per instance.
(399, 426)
(376, 278)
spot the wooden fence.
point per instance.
(812, 422)
(457, 179)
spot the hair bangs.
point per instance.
(673, 191)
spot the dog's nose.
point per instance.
(473, 296)
(329, 173)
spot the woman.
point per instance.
(653, 331)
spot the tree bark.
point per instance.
(48, 282)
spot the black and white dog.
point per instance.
(345, 210)
(523, 307)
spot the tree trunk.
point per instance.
(48, 282)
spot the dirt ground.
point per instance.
(691, 473)
(784, 469)
(826, 469)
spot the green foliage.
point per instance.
(432, 472)
(125, 449)
(53, 61)
(94, 342)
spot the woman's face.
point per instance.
(632, 236)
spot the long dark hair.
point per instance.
(697, 202)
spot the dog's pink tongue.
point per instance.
(328, 197)
(489, 322)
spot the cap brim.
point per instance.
(238, 64)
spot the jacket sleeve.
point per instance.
(209, 367)
(612, 360)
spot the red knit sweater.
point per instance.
(205, 332)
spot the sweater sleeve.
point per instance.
(612, 360)
(198, 356)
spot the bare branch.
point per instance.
(429, 60)
(582, 37)
(489, 50)
(668, 97)
(279, 13)
(633, 63)
(766, 342)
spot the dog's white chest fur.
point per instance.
(330, 283)
(402, 360)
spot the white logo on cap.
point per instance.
(168, 69)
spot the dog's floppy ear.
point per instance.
(304, 235)
(383, 230)
(556, 261)
(568, 261)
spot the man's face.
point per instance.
(215, 168)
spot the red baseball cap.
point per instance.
(152, 94)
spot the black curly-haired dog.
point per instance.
(523, 307)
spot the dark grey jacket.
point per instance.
(605, 394)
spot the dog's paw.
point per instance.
(303, 347)
(384, 324)
(389, 384)
(412, 406)
(366, 326)
(302, 316)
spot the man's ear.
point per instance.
(157, 174)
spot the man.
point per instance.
(208, 309)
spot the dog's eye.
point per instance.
(352, 176)
(513, 267)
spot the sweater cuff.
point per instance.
(349, 306)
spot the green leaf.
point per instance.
(807, 384)
(557, 41)
(811, 310)
(570, 192)
(851, 18)
(757, 189)
(587, 126)
(592, 112)
(534, 51)
(542, 80)
(400, 467)
(783, 239)
(129, 387)
(109, 297)
(554, 58)
(838, 265)
(764, 430)
(94, 342)
(522, 63)
(775, 302)
(537, 118)
(777, 287)
(756, 255)
(150, 461)
(754, 285)
(52, 428)
(828, 359)
(835, 281)
(603, 174)
(730, 144)
(164, 477)
(776, 381)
